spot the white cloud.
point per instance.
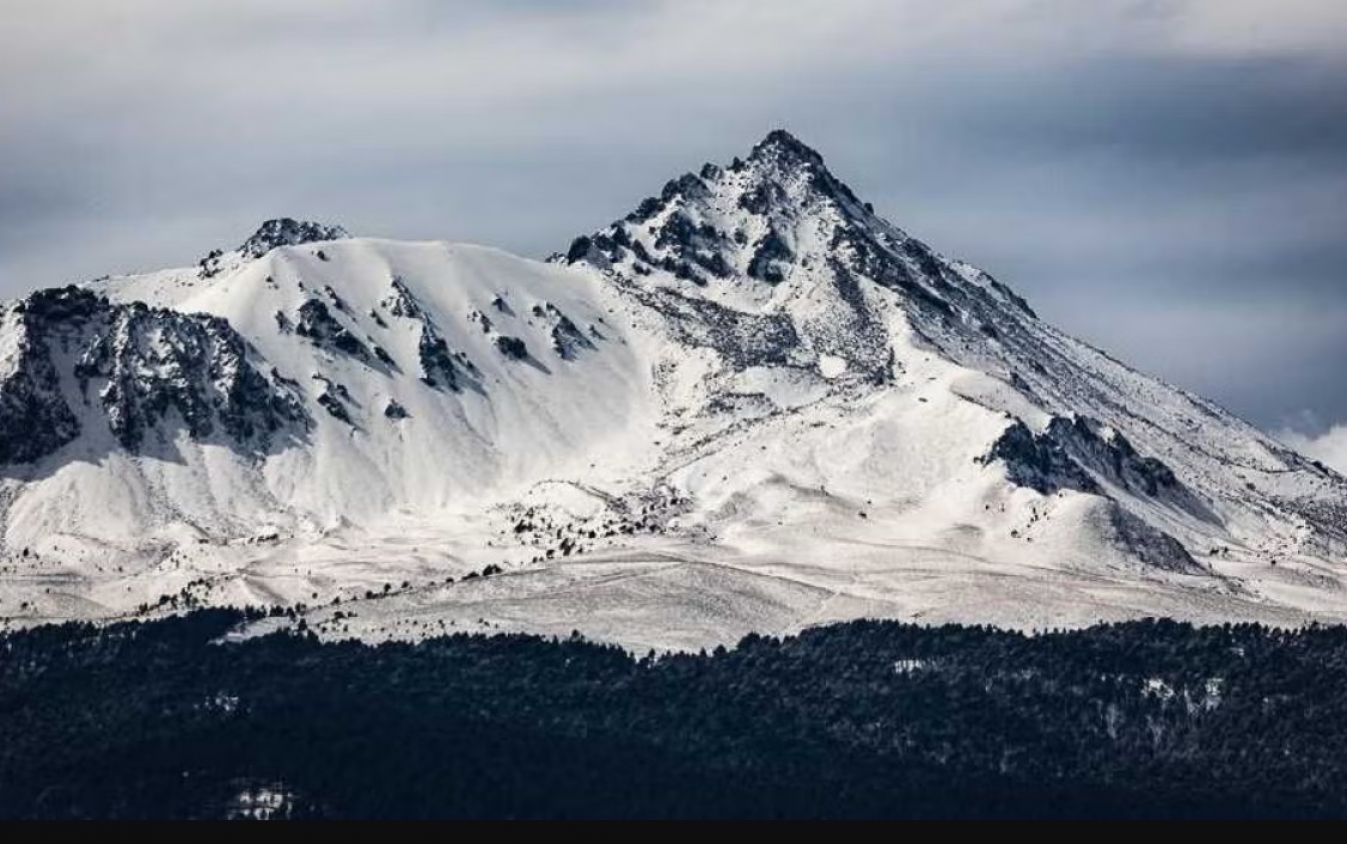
(1244, 27)
(1329, 447)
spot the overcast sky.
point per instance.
(1166, 179)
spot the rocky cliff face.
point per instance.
(34, 417)
(285, 231)
(140, 371)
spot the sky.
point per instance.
(1166, 179)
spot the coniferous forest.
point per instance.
(868, 719)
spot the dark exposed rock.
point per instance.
(649, 207)
(1079, 453)
(861, 253)
(782, 146)
(678, 230)
(579, 249)
(438, 368)
(771, 252)
(334, 399)
(762, 198)
(744, 340)
(317, 323)
(512, 347)
(714, 263)
(481, 320)
(441, 367)
(567, 339)
(34, 417)
(154, 361)
(337, 301)
(143, 365)
(285, 231)
(1111, 455)
(1038, 462)
(333, 406)
(1010, 295)
(1149, 544)
(401, 302)
(687, 186)
(925, 260)
(383, 356)
(393, 410)
(209, 266)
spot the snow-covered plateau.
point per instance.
(751, 404)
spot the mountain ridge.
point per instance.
(749, 404)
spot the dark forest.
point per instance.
(174, 719)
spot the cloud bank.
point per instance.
(1329, 447)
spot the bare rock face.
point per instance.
(34, 417)
(317, 323)
(779, 219)
(285, 231)
(1083, 454)
(438, 366)
(568, 341)
(1041, 462)
(139, 368)
(441, 367)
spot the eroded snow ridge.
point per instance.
(752, 404)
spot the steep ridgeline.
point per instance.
(789, 268)
(751, 404)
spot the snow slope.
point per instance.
(751, 404)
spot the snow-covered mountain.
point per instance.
(751, 404)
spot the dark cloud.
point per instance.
(1166, 179)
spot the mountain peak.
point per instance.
(760, 218)
(286, 231)
(781, 145)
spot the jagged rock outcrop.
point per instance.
(400, 302)
(512, 347)
(316, 322)
(142, 368)
(438, 366)
(1083, 454)
(1040, 462)
(441, 367)
(334, 398)
(34, 417)
(568, 341)
(779, 218)
(285, 231)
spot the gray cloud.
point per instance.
(1330, 446)
(1166, 179)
